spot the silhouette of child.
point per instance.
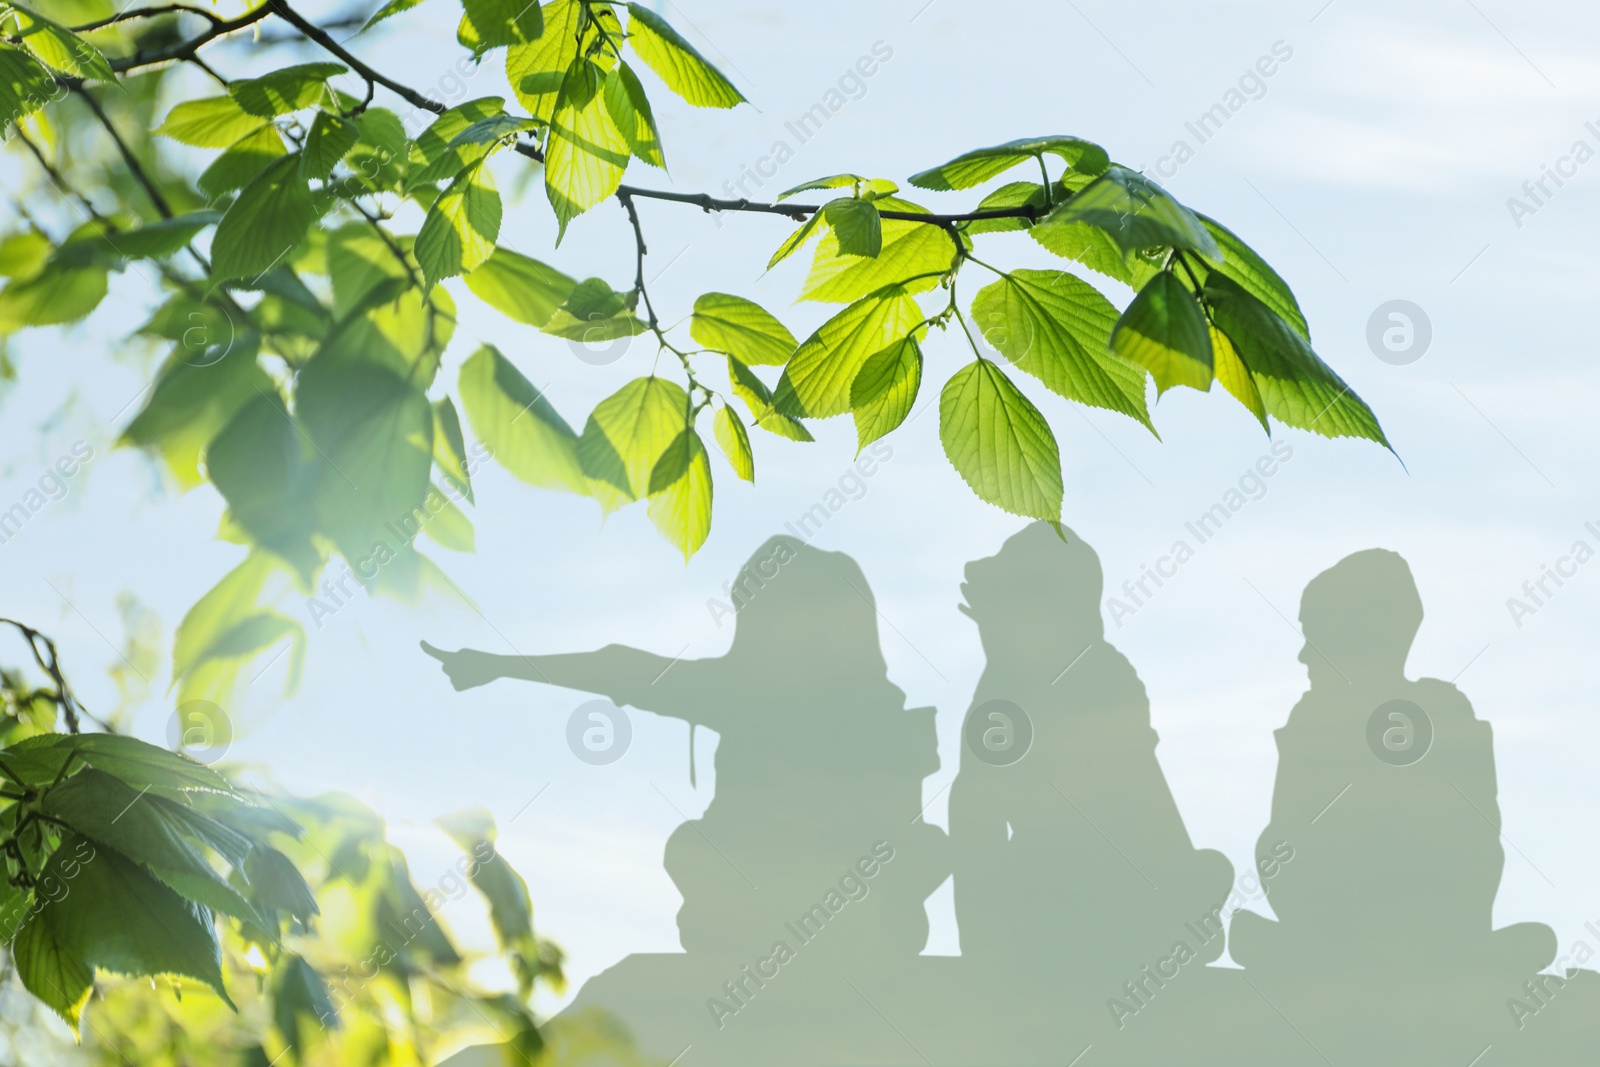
(819, 759)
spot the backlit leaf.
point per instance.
(1164, 331)
(523, 432)
(816, 383)
(675, 61)
(741, 328)
(734, 440)
(999, 443)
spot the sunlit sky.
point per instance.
(1374, 164)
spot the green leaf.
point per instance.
(503, 889)
(154, 831)
(264, 469)
(393, 7)
(330, 138)
(195, 396)
(114, 917)
(586, 154)
(460, 229)
(299, 994)
(1164, 331)
(816, 383)
(833, 181)
(488, 24)
(857, 226)
(449, 448)
(978, 166)
(242, 162)
(1137, 213)
(999, 443)
(211, 122)
(142, 765)
(60, 49)
(758, 398)
(436, 154)
(447, 525)
(231, 600)
(277, 884)
(264, 225)
(537, 69)
(741, 328)
(680, 493)
(595, 313)
(884, 390)
(283, 91)
(23, 255)
(52, 298)
(164, 237)
(734, 440)
(373, 432)
(626, 434)
(25, 86)
(1057, 327)
(1235, 377)
(630, 110)
(913, 255)
(675, 61)
(523, 289)
(492, 130)
(1010, 195)
(795, 240)
(1241, 264)
(525, 434)
(1296, 387)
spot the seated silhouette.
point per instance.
(1074, 858)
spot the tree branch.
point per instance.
(149, 13)
(185, 50)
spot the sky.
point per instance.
(1392, 155)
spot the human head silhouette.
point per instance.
(1039, 590)
(1359, 618)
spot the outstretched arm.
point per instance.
(625, 675)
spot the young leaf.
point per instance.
(884, 391)
(1057, 327)
(758, 398)
(449, 448)
(833, 181)
(1235, 377)
(1240, 263)
(587, 153)
(630, 110)
(795, 240)
(487, 24)
(680, 505)
(1164, 331)
(537, 69)
(327, 142)
(211, 122)
(524, 433)
(59, 48)
(913, 254)
(741, 328)
(675, 61)
(244, 159)
(492, 130)
(439, 152)
(977, 167)
(270, 217)
(283, 91)
(117, 918)
(1296, 387)
(625, 436)
(393, 7)
(999, 443)
(25, 86)
(734, 441)
(460, 229)
(816, 383)
(594, 313)
(520, 288)
(857, 226)
(1138, 213)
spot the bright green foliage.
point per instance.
(25, 84)
(1164, 331)
(975, 168)
(290, 89)
(999, 442)
(58, 48)
(1138, 214)
(885, 389)
(856, 225)
(684, 70)
(459, 233)
(518, 425)
(734, 440)
(489, 24)
(816, 383)
(264, 225)
(741, 328)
